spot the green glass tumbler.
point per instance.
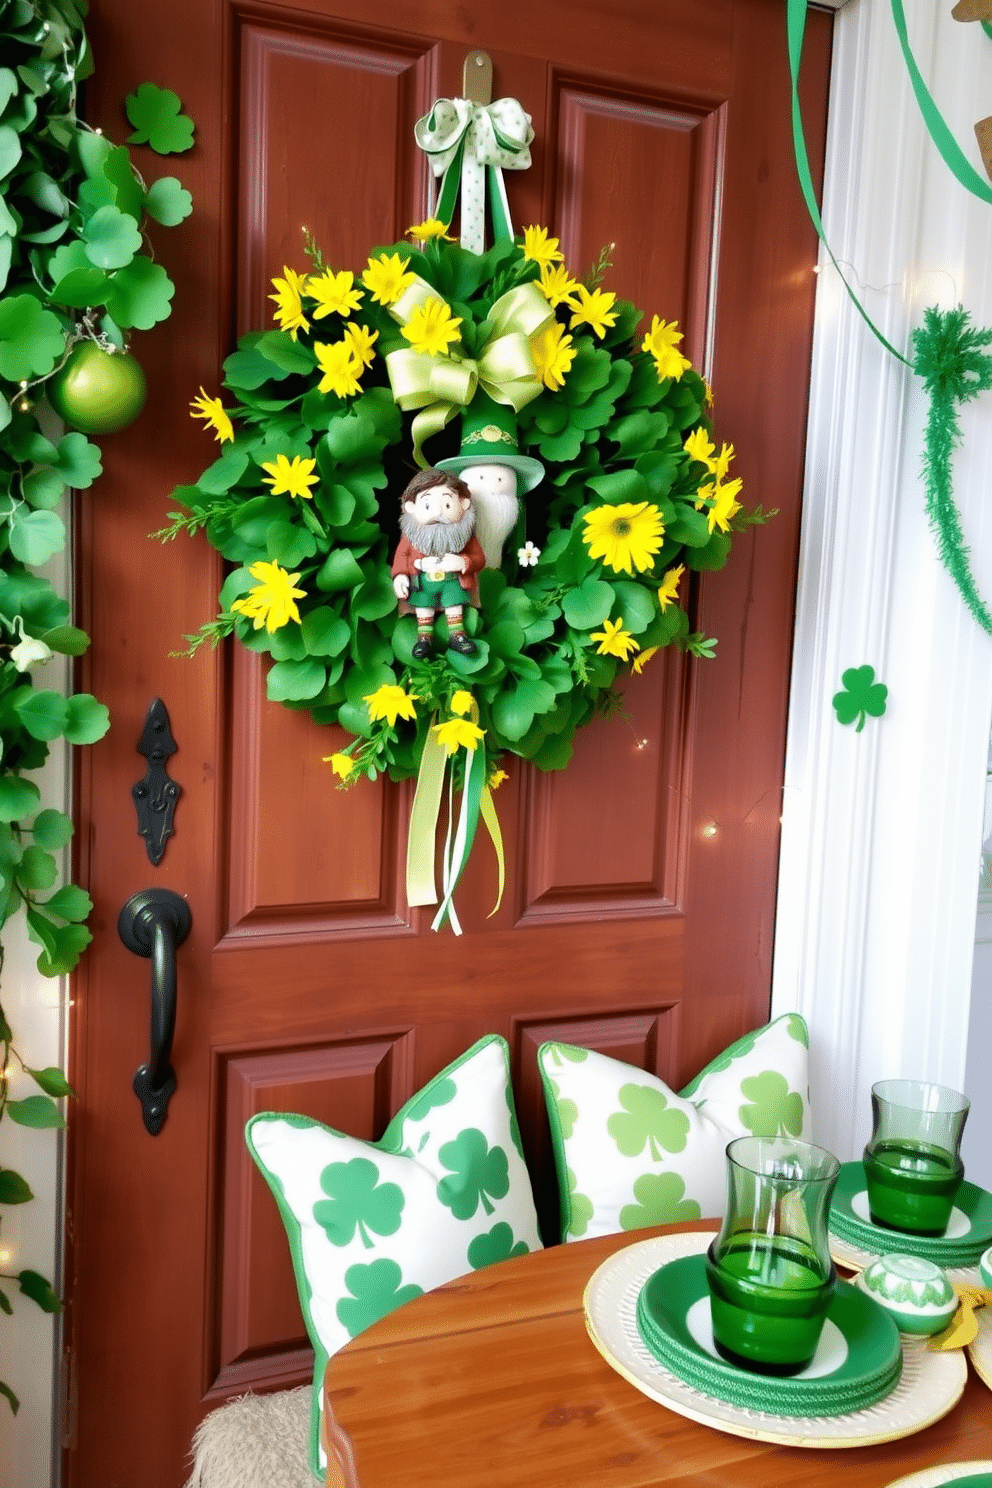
(913, 1167)
(769, 1270)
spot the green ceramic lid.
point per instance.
(861, 1359)
(968, 1234)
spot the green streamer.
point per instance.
(795, 17)
(951, 152)
(948, 353)
(955, 369)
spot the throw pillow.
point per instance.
(373, 1224)
(630, 1152)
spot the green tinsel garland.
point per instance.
(949, 359)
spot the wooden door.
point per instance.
(639, 914)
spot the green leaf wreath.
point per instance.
(316, 448)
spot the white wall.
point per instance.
(882, 829)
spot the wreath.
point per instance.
(326, 423)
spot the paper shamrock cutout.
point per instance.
(158, 120)
(860, 696)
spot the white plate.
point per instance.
(948, 1472)
(931, 1382)
(980, 1351)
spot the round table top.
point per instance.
(492, 1379)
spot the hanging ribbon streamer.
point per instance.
(951, 152)
(947, 348)
(476, 802)
(796, 30)
(435, 388)
(463, 140)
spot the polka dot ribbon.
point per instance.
(464, 141)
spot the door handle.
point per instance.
(152, 924)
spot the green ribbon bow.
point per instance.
(440, 386)
(464, 140)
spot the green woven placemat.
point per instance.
(870, 1370)
(961, 1250)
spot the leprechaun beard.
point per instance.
(434, 539)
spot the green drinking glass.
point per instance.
(913, 1167)
(769, 1270)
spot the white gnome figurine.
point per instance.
(496, 473)
(495, 503)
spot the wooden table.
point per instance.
(492, 1382)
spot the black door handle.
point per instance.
(152, 924)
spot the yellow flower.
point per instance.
(289, 306)
(721, 464)
(614, 640)
(341, 764)
(624, 535)
(724, 505)
(699, 446)
(334, 293)
(391, 702)
(431, 227)
(640, 662)
(669, 591)
(386, 278)
(361, 341)
(553, 354)
(340, 367)
(215, 415)
(540, 248)
(557, 284)
(710, 399)
(461, 703)
(291, 479)
(457, 731)
(272, 602)
(496, 779)
(661, 342)
(592, 308)
(432, 328)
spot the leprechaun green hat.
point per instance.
(489, 437)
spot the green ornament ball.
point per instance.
(98, 391)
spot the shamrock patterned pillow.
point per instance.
(630, 1152)
(373, 1224)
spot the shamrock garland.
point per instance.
(303, 501)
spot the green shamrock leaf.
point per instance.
(567, 1110)
(168, 201)
(581, 1210)
(660, 1200)
(438, 1093)
(560, 1052)
(78, 461)
(112, 238)
(648, 1122)
(861, 695)
(497, 1245)
(795, 1027)
(158, 120)
(139, 295)
(357, 1201)
(375, 1291)
(478, 1171)
(31, 339)
(776, 1111)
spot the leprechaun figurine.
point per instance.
(438, 556)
